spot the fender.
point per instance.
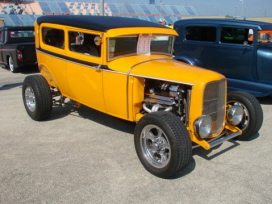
(188, 60)
(10, 53)
(5, 55)
(48, 76)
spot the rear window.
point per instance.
(21, 34)
(17, 36)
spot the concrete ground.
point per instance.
(83, 156)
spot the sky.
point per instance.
(244, 8)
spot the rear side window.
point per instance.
(53, 37)
(201, 33)
(236, 35)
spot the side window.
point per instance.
(83, 43)
(201, 33)
(243, 36)
(53, 37)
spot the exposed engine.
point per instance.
(166, 96)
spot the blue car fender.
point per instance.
(189, 60)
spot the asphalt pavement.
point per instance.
(84, 156)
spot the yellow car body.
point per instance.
(119, 91)
(125, 69)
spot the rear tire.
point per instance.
(253, 113)
(37, 97)
(11, 65)
(162, 144)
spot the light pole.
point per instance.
(101, 7)
(242, 1)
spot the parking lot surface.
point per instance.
(84, 156)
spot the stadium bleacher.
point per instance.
(19, 13)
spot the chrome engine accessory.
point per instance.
(165, 96)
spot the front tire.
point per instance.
(37, 97)
(253, 113)
(162, 144)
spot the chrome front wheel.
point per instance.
(246, 118)
(162, 144)
(155, 146)
(253, 113)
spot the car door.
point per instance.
(197, 42)
(83, 72)
(235, 53)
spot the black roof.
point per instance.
(17, 27)
(220, 21)
(99, 23)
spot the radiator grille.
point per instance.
(214, 104)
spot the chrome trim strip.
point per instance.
(130, 69)
(109, 70)
(7, 50)
(178, 82)
(98, 67)
(49, 54)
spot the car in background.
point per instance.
(241, 50)
(17, 47)
(124, 67)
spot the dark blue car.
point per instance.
(239, 49)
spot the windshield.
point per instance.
(265, 37)
(140, 44)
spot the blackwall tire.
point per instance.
(162, 144)
(37, 97)
(252, 110)
(11, 65)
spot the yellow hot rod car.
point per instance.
(124, 67)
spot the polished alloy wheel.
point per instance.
(246, 119)
(155, 146)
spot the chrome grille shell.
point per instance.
(214, 102)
